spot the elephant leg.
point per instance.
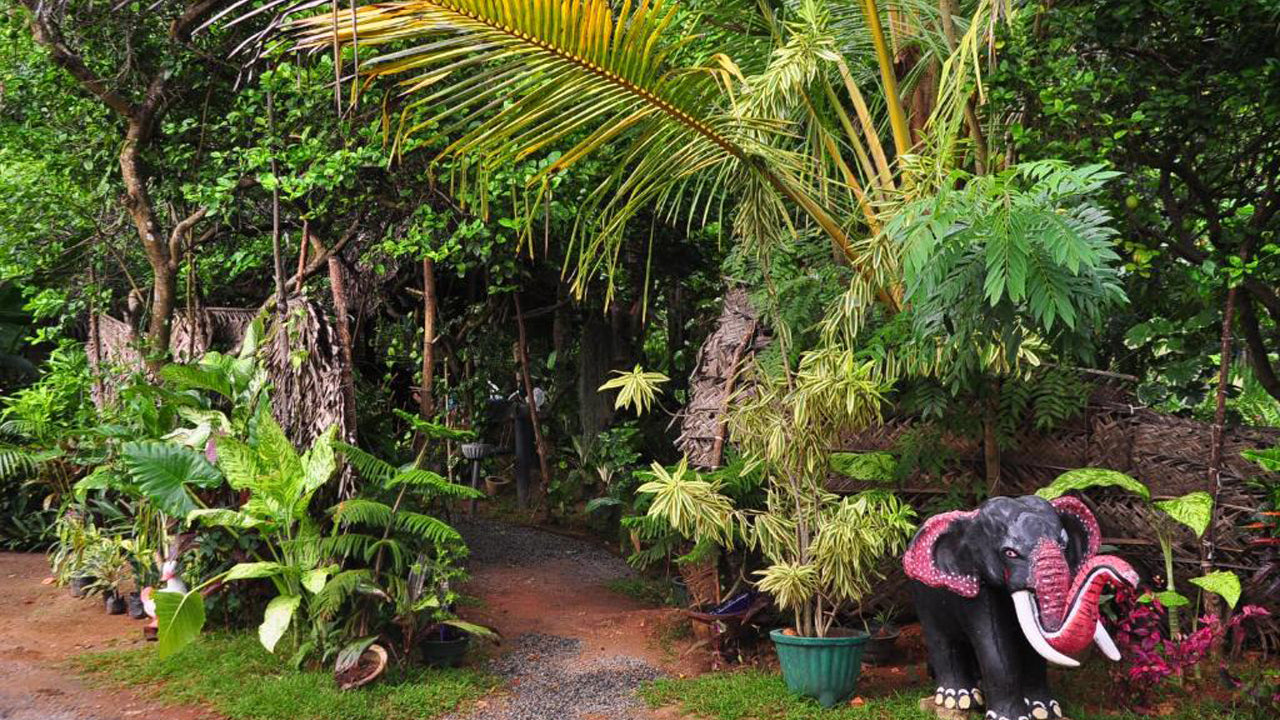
(1040, 701)
(951, 656)
(998, 643)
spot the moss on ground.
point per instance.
(233, 675)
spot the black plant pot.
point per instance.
(137, 610)
(445, 646)
(79, 584)
(114, 603)
(882, 647)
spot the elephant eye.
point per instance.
(1011, 553)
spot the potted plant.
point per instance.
(110, 569)
(883, 638)
(822, 551)
(70, 561)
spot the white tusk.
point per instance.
(1104, 642)
(1025, 607)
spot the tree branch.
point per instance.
(48, 33)
(1258, 356)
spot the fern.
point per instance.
(426, 527)
(369, 467)
(326, 603)
(362, 511)
(16, 464)
(434, 484)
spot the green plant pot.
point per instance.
(825, 669)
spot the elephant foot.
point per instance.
(949, 698)
(943, 713)
(1044, 709)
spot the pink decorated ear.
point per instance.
(919, 561)
(1072, 507)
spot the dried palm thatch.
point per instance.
(300, 356)
(712, 385)
(302, 360)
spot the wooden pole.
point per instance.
(544, 464)
(426, 399)
(1207, 545)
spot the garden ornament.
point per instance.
(1005, 589)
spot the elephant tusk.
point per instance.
(1104, 642)
(1025, 608)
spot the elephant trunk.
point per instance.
(1063, 618)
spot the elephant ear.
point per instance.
(1084, 537)
(931, 556)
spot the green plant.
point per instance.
(413, 558)
(1194, 511)
(280, 484)
(823, 551)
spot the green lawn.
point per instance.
(233, 675)
(757, 695)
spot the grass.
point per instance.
(758, 695)
(642, 589)
(233, 675)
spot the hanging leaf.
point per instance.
(276, 619)
(180, 617)
(165, 472)
(1222, 583)
(223, 517)
(1195, 510)
(1085, 478)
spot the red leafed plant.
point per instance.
(1150, 657)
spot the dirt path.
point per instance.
(573, 648)
(40, 627)
(569, 641)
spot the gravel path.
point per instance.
(548, 677)
(494, 543)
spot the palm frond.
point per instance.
(16, 463)
(510, 80)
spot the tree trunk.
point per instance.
(595, 356)
(341, 309)
(544, 464)
(426, 400)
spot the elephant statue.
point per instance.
(1004, 588)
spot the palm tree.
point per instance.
(522, 77)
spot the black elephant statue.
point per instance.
(1004, 588)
